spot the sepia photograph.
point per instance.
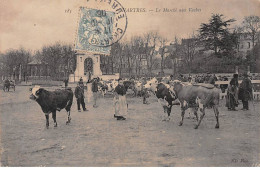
(129, 83)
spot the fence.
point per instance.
(255, 83)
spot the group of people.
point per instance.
(204, 78)
(120, 103)
(236, 92)
(79, 93)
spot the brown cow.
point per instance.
(197, 97)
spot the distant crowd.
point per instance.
(211, 78)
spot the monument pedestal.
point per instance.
(87, 63)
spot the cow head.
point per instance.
(36, 91)
(138, 86)
(176, 85)
(152, 85)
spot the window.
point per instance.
(144, 62)
(248, 44)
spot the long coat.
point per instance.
(245, 90)
(79, 92)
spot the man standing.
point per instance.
(95, 91)
(79, 94)
(245, 91)
(89, 77)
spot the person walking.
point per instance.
(95, 91)
(89, 77)
(79, 94)
(120, 103)
(245, 91)
(232, 93)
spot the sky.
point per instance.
(32, 24)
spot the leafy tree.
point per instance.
(229, 43)
(213, 33)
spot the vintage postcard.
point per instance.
(129, 83)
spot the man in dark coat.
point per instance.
(79, 94)
(245, 91)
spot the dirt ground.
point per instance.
(95, 138)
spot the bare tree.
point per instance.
(137, 50)
(151, 40)
(189, 49)
(162, 52)
(14, 62)
(251, 24)
(116, 57)
(175, 53)
(60, 58)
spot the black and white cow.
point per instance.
(52, 101)
(165, 95)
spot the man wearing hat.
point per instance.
(245, 91)
(79, 94)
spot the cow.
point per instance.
(129, 84)
(102, 87)
(112, 85)
(165, 95)
(139, 89)
(52, 101)
(199, 96)
(151, 85)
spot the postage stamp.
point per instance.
(129, 83)
(98, 29)
(94, 30)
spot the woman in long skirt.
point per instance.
(120, 103)
(232, 93)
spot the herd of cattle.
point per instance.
(198, 97)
